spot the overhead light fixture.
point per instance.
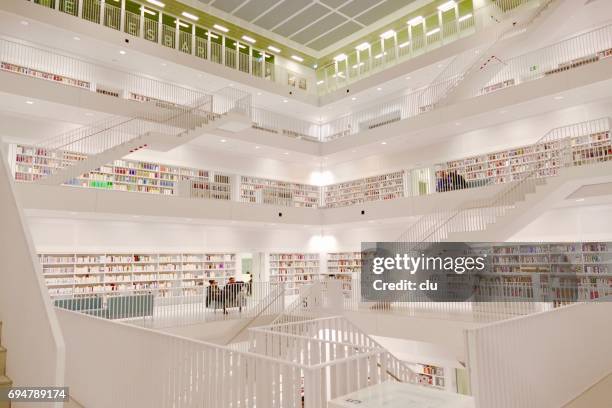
(24, 23)
(273, 48)
(213, 35)
(353, 98)
(466, 17)
(241, 46)
(379, 56)
(383, 143)
(147, 11)
(580, 200)
(249, 39)
(340, 57)
(30, 102)
(156, 3)
(387, 34)
(379, 89)
(363, 46)
(315, 66)
(449, 5)
(402, 45)
(221, 28)
(285, 100)
(432, 32)
(268, 56)
(558, 97)
(416, 21)
(320, 82)
(297, 58)
(190, 16)
(223, 140)
(122, 52)
(358, 65)
(181, 24)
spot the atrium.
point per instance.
(199, 198)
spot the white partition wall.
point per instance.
(30, 330)
(542, 360)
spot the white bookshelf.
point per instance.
(266, 191)
(544, 159)
(580, 270)
(19, 69)
(122, 175)
(387, 186)
(294, 269)
(344, 267)
(169, 274)
(432, 375)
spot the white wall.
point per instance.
(60, 234)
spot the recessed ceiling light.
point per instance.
(122, 52)
(297, 58)
(379, 89)
(408, 77)
(285, 100)
(257, 147)
(353, 98)
(223, 140)
(558, 97)
(157, 3)
(363, 46)
(190, 16)
(249, 39)
(30, 102)
(258, 93)
(273, 48)
(449, 5)
(286, 153)
(416, 20)
(340, 57)
(383, 143)
(320, 82)
(580, 200)
(387, 34)
(221, 28)
(25, 23)
(76, 38)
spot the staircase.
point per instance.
(88, 148)
(477, 66)
(5, 382)
(509, 208)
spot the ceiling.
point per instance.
(316, 24)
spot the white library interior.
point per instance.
(190, 190)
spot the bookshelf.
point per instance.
(294, 269)
(48, 76)
(428, 374)
(543, 159)
(266, 191)
(169, 274)
(382, 187)
(581, 271)
(344, 266)
(121, 175)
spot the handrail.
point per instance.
(506, 197)
(247, 325)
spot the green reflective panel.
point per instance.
(201, 43)
(168, 31)
(185, 37)
(69, 7)
(92, 10)
(150, 24)
(112, 14)
(46, 3)
(132, 18)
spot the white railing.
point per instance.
(146, 368)
(332, 335)
(557, 149)
(416, 39)
(52, 65)
(542, 360)
(30, 330)
(173, 306)
(175, 37)
(582, 49)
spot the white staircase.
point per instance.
(478, 66)
(163, 126)
(508, 210)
